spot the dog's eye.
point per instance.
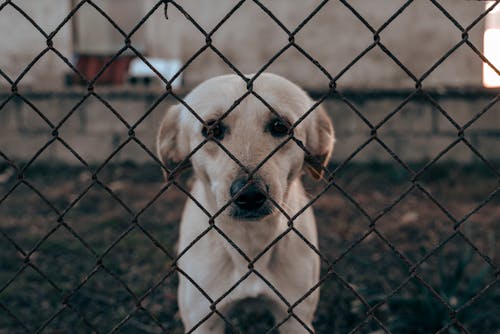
(213, 129)
(278, 128)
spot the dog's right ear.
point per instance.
(168, 143)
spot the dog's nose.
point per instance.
(250, 198)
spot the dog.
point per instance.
(217, 261)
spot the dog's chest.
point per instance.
(252, 287)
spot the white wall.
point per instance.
(419, 37)
(20, 42)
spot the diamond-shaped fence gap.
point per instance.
(375, 255)
(159, 219)
(100, 229)
(31, 136)
(33, 42)
(411, 115)
(392, 77)
(59, 183)
(348, 125)
(366, 150)
(103, 20)
(186, 48)
(482, 114)
(27, 289)
(383, 106)
(42, 112)
(114, 175)
(39, 13)
(209, 64)
(446, 72)
(89, 126)
(18, 218)
(459, 189)
(415, 225)
(137, 261)
(333, 59)
(415, 309)
(457, 273)
(387, 181)
(437, 31)
(138, 149)
(161, 302)
(64, 251)
(152, 113)
(319, 81)
(480, 117)
(33, 114)
(421, 141)
(236, 28)
(58, 61)
(103, 300)
(126, 17)
(339, 309)
(346, 228)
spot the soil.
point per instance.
(79, 254)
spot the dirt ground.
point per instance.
(91, 269)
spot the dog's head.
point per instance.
(253, 137)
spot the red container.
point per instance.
(116, 72)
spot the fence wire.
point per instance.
(135, 223)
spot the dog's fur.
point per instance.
(215, 265)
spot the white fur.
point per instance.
(291, 266)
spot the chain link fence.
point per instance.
(371, 309)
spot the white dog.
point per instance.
(211, 267)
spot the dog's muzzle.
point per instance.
(251, 200)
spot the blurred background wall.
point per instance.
(334, 36)
(375, 84)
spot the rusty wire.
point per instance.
(135, 216)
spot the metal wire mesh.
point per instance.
(135, 222)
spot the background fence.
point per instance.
(87, 241)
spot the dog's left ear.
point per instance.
(170, 144)
(320, 140)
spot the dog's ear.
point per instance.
(320, 140)
(168, 142)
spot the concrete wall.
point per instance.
(334, 37)
(418, 38)
(249, 38)
(20, 43)
(418, 132)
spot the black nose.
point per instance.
(250, 198)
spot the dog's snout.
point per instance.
(252, 197)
